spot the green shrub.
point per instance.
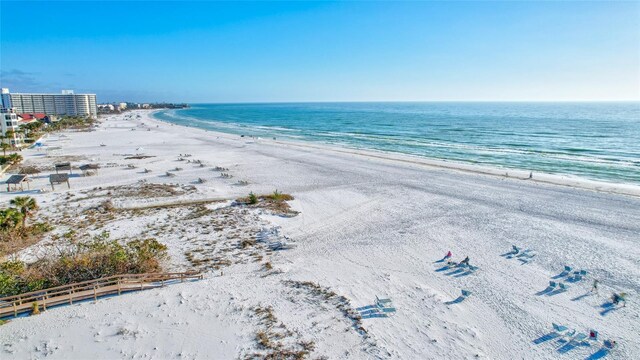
(97, 258)
(253, 199)
(278, 196)
(10, 271)
(41, 228)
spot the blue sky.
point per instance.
(323, 51)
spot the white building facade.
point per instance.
(9, 122)
(66, 103)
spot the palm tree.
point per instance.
(10, 218)
(10, 134)
(26, 205)
(5, 147)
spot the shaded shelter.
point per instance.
(16, 180)
(55, 179)
(89, 167)
(63, 167)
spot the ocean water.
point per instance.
(599, 141)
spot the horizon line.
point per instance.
(405, 101)
(370, 101)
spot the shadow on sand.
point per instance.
(456, 301)
(567, 347)
(578, 298)
(555, 292)
(545, 338)
(545, 291)
(598, 354)
(607, 308)
(444, 268)
(370, 312)
(561, 275)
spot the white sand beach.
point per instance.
(369, 224)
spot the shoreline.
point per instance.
(566, 180)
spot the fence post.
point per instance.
(95, 293)
(119, 289)
(71, 295)
(15, 309)
(44, 301)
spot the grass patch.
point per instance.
(276, 202)
(272, 338)
(340, 302)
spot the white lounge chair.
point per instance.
(385, 305)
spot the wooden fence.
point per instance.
(91, 289)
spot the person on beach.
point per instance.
(618, 298)
(448, 256)
(465, 261)
(594, 288)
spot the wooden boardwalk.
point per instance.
(91, 289)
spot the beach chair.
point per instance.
(383, 301)
(552, 287)
(527, 258)
(472, 268)
(526, 252)
(279, 245)
(515, 249)
(466, 293)
(609, 344)
(560, 329)
(576, 277)
(385, 305)
(593, 335)
(578, 339)
(562, 286)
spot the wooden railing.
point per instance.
(91, 289)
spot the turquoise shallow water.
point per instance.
(598, 141)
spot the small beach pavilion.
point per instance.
(66, 166)
(88, 168)
(16, 180)
(55, 179)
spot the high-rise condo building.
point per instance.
(66, 103)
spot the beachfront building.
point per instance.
(9, 126)
(65, 103)
(106, 107)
